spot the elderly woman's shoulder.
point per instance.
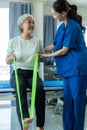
(15, 39)
(36, 38)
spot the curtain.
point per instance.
(16, 10)
(50, 27)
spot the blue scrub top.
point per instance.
(71, 37)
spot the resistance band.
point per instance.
(34, 83)
(33, 89)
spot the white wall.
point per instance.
(47, 10)
(38, 15)
(5, 3)
(83, 12)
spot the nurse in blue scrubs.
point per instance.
(70, 54)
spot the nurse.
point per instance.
(71, 61)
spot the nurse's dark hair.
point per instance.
(63, 5)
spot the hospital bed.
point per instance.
(53, 89)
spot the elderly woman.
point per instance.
(23, 48)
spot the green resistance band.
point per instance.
(33, 89)
(34, 84)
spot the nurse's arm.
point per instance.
(60, 52)
(49, 48)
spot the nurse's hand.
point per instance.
(43, 56)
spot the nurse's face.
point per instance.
(59, 16)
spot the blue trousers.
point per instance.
(74, 102)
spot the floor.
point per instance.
(9, 121)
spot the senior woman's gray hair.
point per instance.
(22, 19)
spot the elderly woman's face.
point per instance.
(28, 25)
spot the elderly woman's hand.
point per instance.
(10, 58)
